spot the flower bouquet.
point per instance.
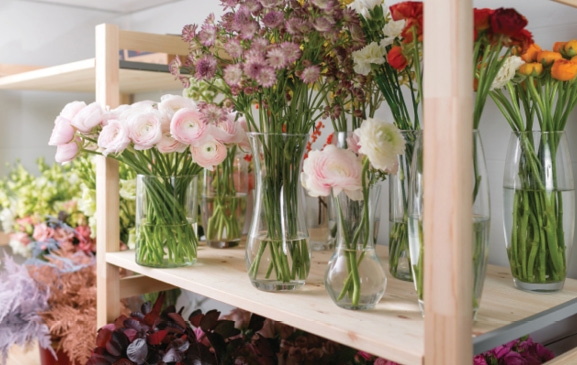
(521, 351)
(167, 144)
(271, 56)
(354, 277)
(538, 183)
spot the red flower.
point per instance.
(523, 39)
(396, 58)
(482, 18)
(412, 12)
(508, 22)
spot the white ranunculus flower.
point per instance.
(507, 72)
(394, 28)
(362, 7)
(381, 142)
(128, 189)
(371, 53)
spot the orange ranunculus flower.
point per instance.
(570, 48)
(396, 58)
(548, 57)
(564, 70)
(531, 69)
(531, 53)
(558, 46)
(482, 18)
(574, 59)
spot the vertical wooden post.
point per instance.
(107, 183)
(448, 89)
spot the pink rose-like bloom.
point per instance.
(168, 144)
(209, 154)
(187, 127)
(479, 360)
(62, 133)
(333, 168)
(71, 109)
(227, 132)
(88, 118)
(42, 232)
(113, 138)
(21, 237)
(66, 152)
(170, 104)
(145, 129)
(514, 358)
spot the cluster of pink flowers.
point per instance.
(523, 351)
(264, 37)
(174, 124)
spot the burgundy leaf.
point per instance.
(226, 329)
(137, 351)
(123, 362)
(103, 337)
(256, 322)
(151, 317)
(145, 308)
(196, 317)
(209, 320)
(98, 357)
(119, 322)
(178, 319)
(130, 333)
(117, 344)
(156, 337)
(173, 355)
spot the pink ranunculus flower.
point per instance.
(170, 104)
(144, 129)
(333, 168)
(21, 237)
(88, 118)
(42, 232)
(209, 154)
(71, 109)
(113, 138)
(62, 133)
(188, 127)
(66, 152)
(227, 132)
(353, 143)
(168, 144)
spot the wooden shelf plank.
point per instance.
(80, 77)
(393, 330)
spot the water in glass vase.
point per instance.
(278, 265)
(481, 228)
(171, 250)
(399, 260)
(223, 219)
(538, 239)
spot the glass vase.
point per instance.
(539, 209)
(224, 200)
(277, 247)
(481, 219)
(354, 277)
(399, 258)
(166, 221)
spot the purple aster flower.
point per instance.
(252, 68)
(266, 77)
(248, 30)
(294, 26)
(207, 35)
(254, 55)
(227, 22)
(323, 4)
(212, 114)
(233, 75)
(226, 4)
(206, 67)
(324, 24)
(242, 17)
(311, 74)
(253, 6)
(260, 44)
(291, 50)
(273, 19)
(233, 48)
(189, 32)
(268, 4)
(276, 58)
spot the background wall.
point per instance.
(43, 34)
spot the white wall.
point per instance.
(36, 33)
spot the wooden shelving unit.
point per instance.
(395, 328)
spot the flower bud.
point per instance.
(531, 69)
(531, 53)
(570, 48)
(548, 57)
(558, 46)
(564, 70)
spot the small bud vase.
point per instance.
(166, 221)
(277, 248)
(354, 277)
(224, 199)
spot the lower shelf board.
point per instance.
(394, 329)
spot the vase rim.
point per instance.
(162, 176)
(535, 132)
(255, 134)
